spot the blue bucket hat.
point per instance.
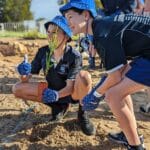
(62, 23)
(80, 4)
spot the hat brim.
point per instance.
(57, 24)
(81, 6)
(75, 5)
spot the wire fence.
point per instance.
(23, 26)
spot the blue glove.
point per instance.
(92, 100)
(24, 68)
(50, 96)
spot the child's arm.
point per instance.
(24, 69)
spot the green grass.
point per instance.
(33, 34)
(10, 34)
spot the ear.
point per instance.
(66, 38)
(86, 14)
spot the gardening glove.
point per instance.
(92, 100)
(24, 68)
(50, 96)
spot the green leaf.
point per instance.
(53, 43)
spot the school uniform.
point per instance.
(122, 37)
(66, 69)
(115, 7)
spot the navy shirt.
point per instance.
(111, 6)
(120, 37)
(67, 68)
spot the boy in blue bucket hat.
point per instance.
(81, 4)
(87, 5)
(116, 39)
(62, 68)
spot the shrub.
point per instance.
(34, 34)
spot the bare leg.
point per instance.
(111, 80)
(128, 99)
(82, 86)
(27, 91)
(115, 98)
(129, 103)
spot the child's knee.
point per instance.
(85, 78)
(83, 85)
(113, 95)
(108, 96)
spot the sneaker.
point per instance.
(86, 125)
(121, 139)
(59, 111)
(145, 109)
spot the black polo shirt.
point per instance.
(121, 37)
(67, 68)
(111, 6)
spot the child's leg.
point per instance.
(29, 91)
(82, 85)
(115, 99)
(128, 99)
(129, 103)
(111, 80)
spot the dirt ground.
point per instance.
(32, 130)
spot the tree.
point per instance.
(2, 3)
(15, 10)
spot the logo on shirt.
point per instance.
(63, 68)
(132, 17)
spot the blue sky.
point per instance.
(44, 8)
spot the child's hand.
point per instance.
(25, 78)
(50, 96)
(24, 68)
(91, 101)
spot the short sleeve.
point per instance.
(75, 67)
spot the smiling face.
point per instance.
(76, 21)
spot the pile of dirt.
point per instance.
(12, 47)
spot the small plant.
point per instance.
(53, 43)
